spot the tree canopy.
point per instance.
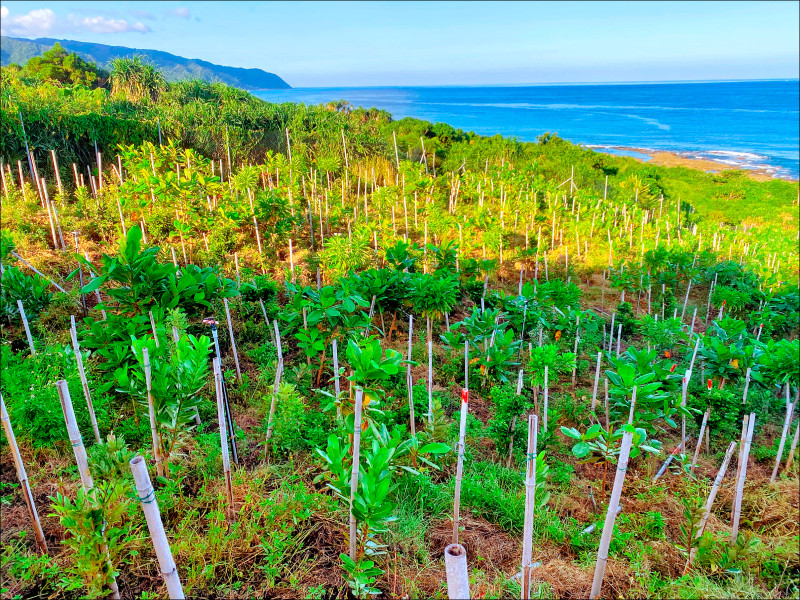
(64, 67)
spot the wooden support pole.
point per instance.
(355, 471)
(74, 435)
(32, 268)
(153, 327)
(710, 502)
(793, 449)
(462, 431)
(430, 377)
(223, 438)
(76, 348)
(700, 439)
(596, 380)
(611, 515)
(409, 377)
(455, 563)
(151, 407)
(786, 423)
(737, 503)
(530, 506)
(26, 326)
(546, 398)
(147, 496)
(233, 341)
(22, 475)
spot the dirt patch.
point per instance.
(480, 538)
(325, 542)
(479, 406)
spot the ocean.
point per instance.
(746, 124)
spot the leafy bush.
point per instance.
(31, 289)
(30, 394)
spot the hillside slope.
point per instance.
(174, 68)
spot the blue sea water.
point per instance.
(746, 124)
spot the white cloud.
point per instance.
(104, 25)
(44, 22)
(181, 12)
(36, 23)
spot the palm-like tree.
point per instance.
(136, 79)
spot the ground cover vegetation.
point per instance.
(340, 264)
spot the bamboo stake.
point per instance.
(233, 341)
(52, 225)
(745, 421)
(546, 398)
(530, 505)
(55, 215)
(596, 380)
(223, 438)
(700, 439)
(79, 359)
(25, 487)
(737, 504)
(684, 387)
(147, 496)
(790, 460)
(153, 327)
(26, 326)
(455, 563)
(575, 351)
(694, 355)
(409, 378)
(746, 385)
(355, 472)
(276, 385)
(787, 422)
(611, 515)
(430, 378)
(75, 435)
(514, 419)
(663, 468)
(710, 502)
(462, 431)
(152, 411)
(336, 384)
(80, 458)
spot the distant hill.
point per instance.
(174, 68)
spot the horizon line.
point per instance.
(532, 84)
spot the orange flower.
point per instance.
(667, 354)
(558, 335)
(735, 363)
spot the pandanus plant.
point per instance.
(432, 296)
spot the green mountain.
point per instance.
(174, 68)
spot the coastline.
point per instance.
(665, 158)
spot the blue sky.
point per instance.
(316, 44)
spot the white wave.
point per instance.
(744, 155)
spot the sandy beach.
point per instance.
(672, 159)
